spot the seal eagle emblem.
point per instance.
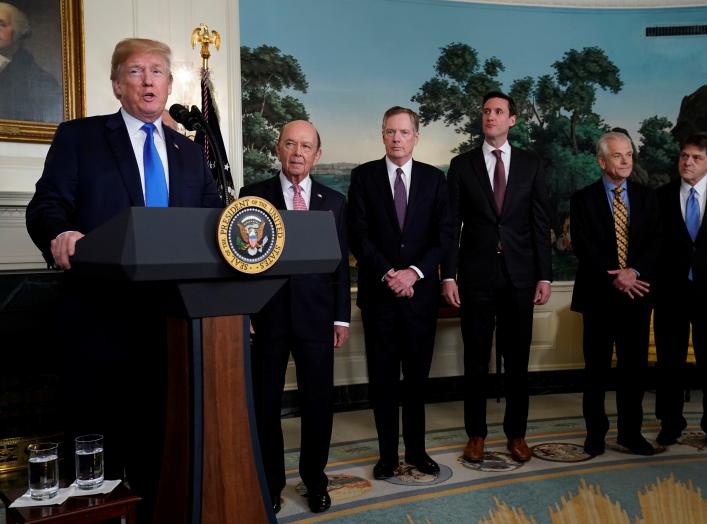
(251, 234)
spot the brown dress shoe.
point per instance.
(474, 450)
(520, 452)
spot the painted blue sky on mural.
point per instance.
(362, 56)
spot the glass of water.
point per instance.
(89, 461)
(43, 470)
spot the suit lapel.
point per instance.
(175, 165)
(382, 184)
(417, 181)
(482, 176)
(317, 199)
(119, 142)
(274, 193)
(513, 177)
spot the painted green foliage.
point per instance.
(266, 74)
(555, 118)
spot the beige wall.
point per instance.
(556, 332)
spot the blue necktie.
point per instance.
(155, 182)
(692, 218)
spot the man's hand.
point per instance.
(627, 281)
(542, 293)
(341, 335)
(401, 282)
(450, 292)
(63, 247)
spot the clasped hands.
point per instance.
(401, 282)
(627, 281)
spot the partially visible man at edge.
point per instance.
(111, 334)
(681, 288)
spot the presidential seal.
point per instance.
(251, 234)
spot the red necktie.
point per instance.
(499, 181)
(298, 202)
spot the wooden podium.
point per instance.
(211, 466)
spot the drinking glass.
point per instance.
(43, 467)
(89, 461)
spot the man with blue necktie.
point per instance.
(110, 334)
(681, 287)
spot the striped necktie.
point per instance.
(621, 226)
(298, 203)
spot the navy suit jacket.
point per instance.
(523, 227)
(307, 305)
(677, 250)
(91, 174)
(594, 243)
(379, 244)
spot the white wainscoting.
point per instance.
(556, 345)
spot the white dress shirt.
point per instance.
(490, 159)
(288, 190)
(700, 189)
(137, 139)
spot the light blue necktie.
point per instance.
(155, 182)
(692, 218)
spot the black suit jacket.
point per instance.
(91, 174)
(308, 305)
(677, 250)
(377, 241)
(523, 228)
(594, 242)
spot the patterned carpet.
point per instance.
(559, 485)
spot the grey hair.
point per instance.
(602, 143)
(20, 24)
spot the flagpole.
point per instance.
(211, 139)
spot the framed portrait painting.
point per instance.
(41, 67)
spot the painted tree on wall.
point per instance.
(266, 75)
(454, 94)
(555, 118)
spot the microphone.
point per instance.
(191, 120)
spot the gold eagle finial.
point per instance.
(202, 35)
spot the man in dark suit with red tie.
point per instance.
(308, 317)
(681, 287)
(111, 333)
(399, 227)
(501, 260)
(614, 228)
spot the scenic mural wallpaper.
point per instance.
(575, 73)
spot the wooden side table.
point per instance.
(119, 503)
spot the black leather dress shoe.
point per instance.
(637, 445)
(319, 502)
(384, 470)
(594, 446)
(668, 437)
(424, 464)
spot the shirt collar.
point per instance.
(609, 185)
(305, 184)
(393, 167)
(699, 187)
(134, 125)
(488, 148)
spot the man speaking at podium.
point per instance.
(111, 338)
(308, 316)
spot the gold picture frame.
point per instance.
(71, 103)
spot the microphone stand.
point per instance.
(200, 124)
